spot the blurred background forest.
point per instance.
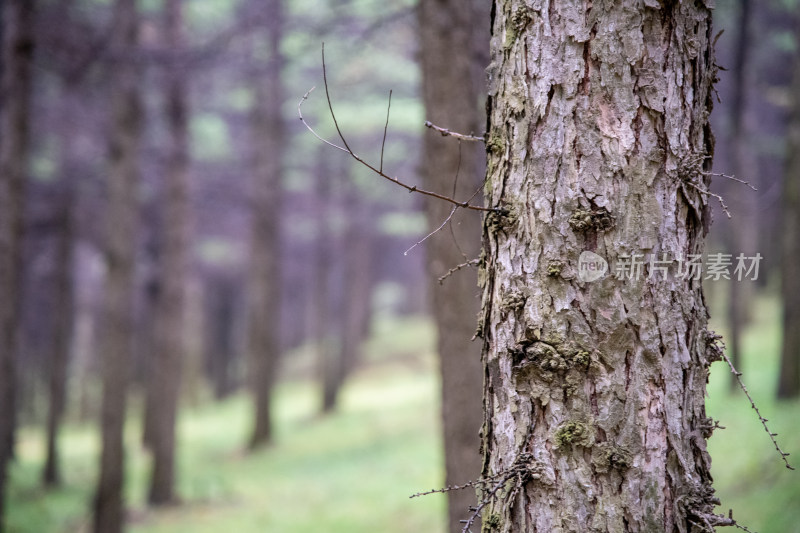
(248, 313)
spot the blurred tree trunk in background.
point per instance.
(594, 391)
(321, 276)
(64, 286)
(354, 315)
(789, 378)
(165, 372)
(450, 34)
(17, 57)
(269, 136)
(122, 217)
(220, 306)
(63, 326)
(743, 229)
(147, 319)
(358, 283)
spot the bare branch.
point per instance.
(379, 171)
(434, 232)
(330, 106)
(300, 112)
(386, 128)
(447, 133)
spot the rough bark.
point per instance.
(17, 57)
(170, 337)
(117, 319)
(789, 378)
(453, 100)
(594, 391)
(269, 134)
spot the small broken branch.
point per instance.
(447, 133)
(471, 262)
(449, 488)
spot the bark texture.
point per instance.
(594, 391)
(452, 97)
(264, 294)
(171, 308)
(116, 354)
(789, 379)
(17, 57)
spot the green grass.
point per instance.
(353, 471)
(749, 475)
(349, 472)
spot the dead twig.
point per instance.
(730, 177)
(521, 471)
(761, 418)
(449, 488)
(708, 193)
(471, 262)
(447, 133)
(434, 232)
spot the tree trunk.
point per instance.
(452, 100)
(220, 306)
(358, 285)
(269, 134)
(63, 325)
(123, 177)
(789, 379)
(743, 230)
(594, 391)
(355, 300)
(321, 292)
(17, 57)
(64, 322)
(170, 345)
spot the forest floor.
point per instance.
(353, 471)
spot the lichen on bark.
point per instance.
(595, 106)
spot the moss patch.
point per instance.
(555, 268)
(596, 219)
(573, 433)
